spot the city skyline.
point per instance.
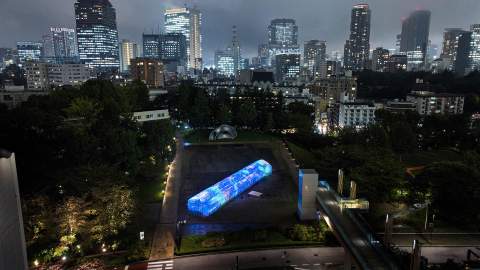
(325, 21)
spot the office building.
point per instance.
(60, 45)
(151, 46)
(397, 63)
(414, 39)
(464, 51)
(474, 54)
(148, 70)
(97, 35)
(236, 52)
(263, 55)
(29, 51)
(428, 103)
(128, 51)
(357, 47)
(332, 68)
(13, 252)
(314, 55)
(287, 67)
(8, 56)
(282, 39)
(330, 90)
(380, 58)
(449, 46)
(187, 21)
(225, 62)
(43, 76)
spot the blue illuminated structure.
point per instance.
(211, 199)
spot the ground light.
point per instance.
(211, 199)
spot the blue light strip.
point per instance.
(211, 199)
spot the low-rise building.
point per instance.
(428, 103)
(148, 70)
(36, 74)
(42, 76)
(352, 113)
(330, 90)
(397, 106)
(146, 116)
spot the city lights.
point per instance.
(211, 199)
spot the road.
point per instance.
(163, 244)
(298, 258)
(352, 234)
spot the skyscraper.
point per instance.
(449, 48)
(314, 55)
(357, 47)
(474, 50)
(282, 38)
(128, 51)
(236, 52)
(187, 21)
(60, 45)
(414, 38)
(29, 50)
(97, 34)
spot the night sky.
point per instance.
(317, 19)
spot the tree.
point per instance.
(403, 138)
(247, 114)
(454, 189)
(200, 111)
(223, 114)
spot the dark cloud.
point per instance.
(317, 19)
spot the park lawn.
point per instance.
(423, 158)
(237, 241)
(201, 136)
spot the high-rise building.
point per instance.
(314, 55)
(8, 56)
(187, 21)
(97, 34)
(414, 39)
(462, 62)
(60, 45)
(283, 32)
(236, 52)
(357, 47)
(397, 63)
(151, 47)
(282, 39)
(287, 67)
(449, 48)
(29, 51)
(474, 54)
(148, 70)
(225, 62)
(263, 55)
(13, 251)
(128, 51)
(380, 57)
(173, 47)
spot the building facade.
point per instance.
(187, 21)
(357, 47)
(43, 76)
(29, 51)
(97, 34)
(13, 251)
(314, 55)
(282, 39)
(287, 67)
(352, 114)
(397, 63)
(128, 51)
(449, 46)
(148, 70)
(380, 58)
(36, 74)
(225, 62)
(429, 103)
(60, 45)
(414, 39)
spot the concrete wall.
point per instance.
(12, 239)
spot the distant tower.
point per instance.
(236, 53)
(414, 38)
(128, 51)
(357, 47)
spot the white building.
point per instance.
(351, 113)
(428, 103)
(41, 76)
(146, 116)
(128, 51)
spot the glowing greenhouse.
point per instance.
(211, 199)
